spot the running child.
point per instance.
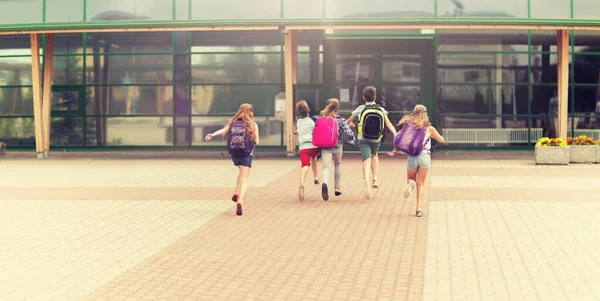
(419, 162)
(305, 125)
(243, 136)
(373, 120)
(335, 153)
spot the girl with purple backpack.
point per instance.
(242, 138)
(415, 140)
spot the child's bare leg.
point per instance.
(421, 175)
(315, 168)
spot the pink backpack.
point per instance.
(325, 134)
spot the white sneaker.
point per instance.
(409, 189)
(367, 189)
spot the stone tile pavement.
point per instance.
(496, 227)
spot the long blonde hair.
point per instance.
(245, 113)
(418, 116)
(332, 105)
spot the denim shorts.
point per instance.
(368, 148)
(243, 161)
(423, 160)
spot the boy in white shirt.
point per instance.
(305, 125)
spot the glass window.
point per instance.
(17, 131)
(132, 69)
(226, 99)
(19, 11)
(15, 71)
(232, 41)
(236, 68)
(68, 43)
(481, 40)
(16, 101)
(405, 68)
(236, 9)
(310, 67)
(307, 9)
(68, 70)
(483, 99)
(541, 95)
(66, 131)
(132, 131)
(587, 68)
(551, 9)
(131, 100)
(269, 129)
(379, 9)
(585, 9)
(482, 68)
(492, 9)
(182, 10)
(15, 44)
(136, 42)
(129, 10)
(586, 98)
(64, 10)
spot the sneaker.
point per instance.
(316, 181)
(375, 184)
(338, 193)
(419, 213)
(235, 197)
(324, 192)
(409, 189)
(367, 189)
(301, 192)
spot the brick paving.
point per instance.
(496, 227)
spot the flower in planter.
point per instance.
(581, 140)
(545, 141)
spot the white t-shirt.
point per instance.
(305, 127)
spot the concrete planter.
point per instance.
(583, 153)
(597, 153)
(552, 155)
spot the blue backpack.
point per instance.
(239, 143)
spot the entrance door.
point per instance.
(67, 125)
(402, 70)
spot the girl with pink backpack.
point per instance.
(414, 139)
(328, 134)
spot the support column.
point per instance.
(47, 95)
(563, 82)
(36, 78)
(291, 55)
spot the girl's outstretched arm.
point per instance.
(220, 132)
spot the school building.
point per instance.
(160, 74)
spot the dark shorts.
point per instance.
(242, 161)
(368, 148)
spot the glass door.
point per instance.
(402, 70)
(67, 118)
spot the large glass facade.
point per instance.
(171, 88)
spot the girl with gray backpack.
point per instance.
(242, 138)
(414, 139)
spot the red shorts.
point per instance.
(306, 154)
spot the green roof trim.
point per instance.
(83, 26)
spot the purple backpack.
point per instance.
(239, 143)
(410, 139)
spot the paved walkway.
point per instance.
(496, 227)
